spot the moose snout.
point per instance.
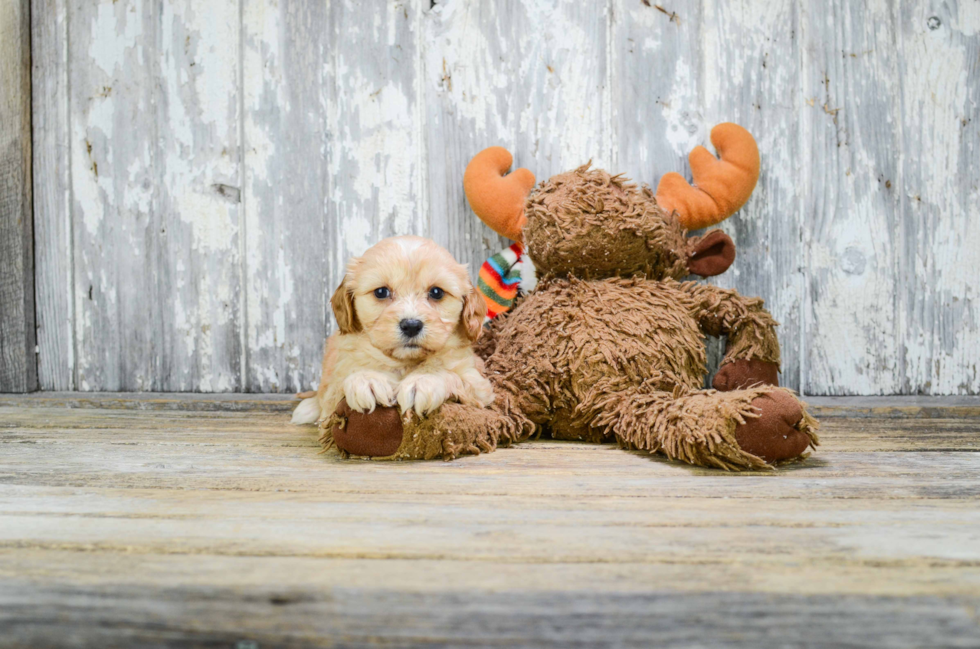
(410, 327)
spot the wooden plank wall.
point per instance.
(18, 365)
(204, 170)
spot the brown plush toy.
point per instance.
(609, 344)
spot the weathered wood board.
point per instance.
(288, 258)
(939, 69)
(154, 164)
(18, 364)
(529, 76)
(121, 526)
(53, 244)
(204, 170)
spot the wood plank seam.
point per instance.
(244, 358)
(18, 360)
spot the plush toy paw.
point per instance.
(742, 374)
(371, 434)
(453, 430)
(776, 434)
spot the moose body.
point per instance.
(613, 342)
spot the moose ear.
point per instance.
(711, 254)
(498, 199)
(721, 187)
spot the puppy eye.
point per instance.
(382, 293)
(436, 293)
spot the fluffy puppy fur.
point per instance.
(408, 316)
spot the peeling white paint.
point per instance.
(685, 129)
(114, 30)
(355, 123)
(213, 223)
(381, 161)
(216, 59)
(940, 97)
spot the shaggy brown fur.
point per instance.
(610, 345)
(592, 225)
(455, 429)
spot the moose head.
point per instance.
(591, 224)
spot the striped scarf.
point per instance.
(499, 279)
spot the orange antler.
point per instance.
(721, 187)
(498, 199)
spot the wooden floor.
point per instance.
(176, 521)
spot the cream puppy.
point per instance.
(407, 316)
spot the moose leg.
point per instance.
(741, 429)
(454, 429)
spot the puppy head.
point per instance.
(410, 297)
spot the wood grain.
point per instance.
(155, 176)
(759, 87)
(939, 70)
(289, 259)
(205, 528)
(53, 231)
(838, 434)
(853, 242)
(18, 363)
(529, 76)
(657, 88)
(902, 407)
(377, 162)
(289, 615)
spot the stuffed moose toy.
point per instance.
(605, 343)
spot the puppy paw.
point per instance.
(423, 393)
(365, 391)
(483, 392)
(477, 390)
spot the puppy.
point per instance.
(407, 316)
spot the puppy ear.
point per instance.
(474, 311)
(343, 309)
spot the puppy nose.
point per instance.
(410, 328)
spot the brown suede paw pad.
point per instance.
(773, 435)
(742, 374)
(370, 434)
